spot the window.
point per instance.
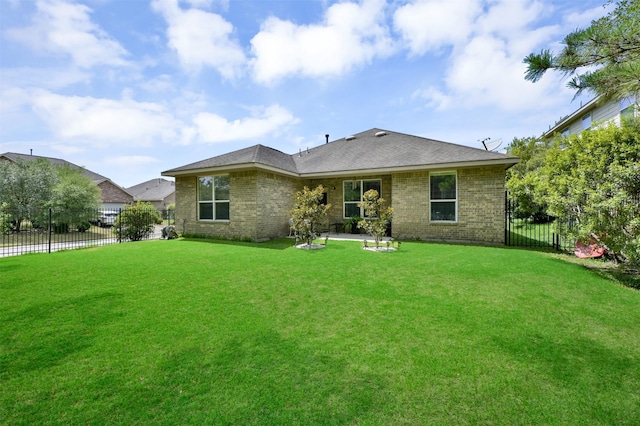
(565, 132)
(213, 197)
(586, 122)
(353, 191)
(627, 107)
(443, 197)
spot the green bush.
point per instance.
(136, 222)
(6, 223)
(60, 227)
(83, 226)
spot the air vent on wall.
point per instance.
(382, 133)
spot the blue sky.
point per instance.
(130, 88)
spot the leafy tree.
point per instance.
(136, 221)
(593, 180)
(308, 213)
(608, 51)
(26, 187)
(378, 216)
(523, 177)
(74, 198)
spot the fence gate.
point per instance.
(528, 231)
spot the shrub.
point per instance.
(60, 227)
(83, 226)
(6, 223)
(136, 222)
(378, 216)
(308, 214)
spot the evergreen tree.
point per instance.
(603, 58)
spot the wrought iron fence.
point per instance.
(539, 231)
(49, 230)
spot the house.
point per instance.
(158, 192)
(594, 113)
(113, 196)
(439, 190)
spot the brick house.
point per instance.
(160, 193)
(112, 195)
(439, 191)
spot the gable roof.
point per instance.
(14, 156)
(368, 152)
(95, 177)
(152, 190)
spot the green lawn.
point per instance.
(200, 332)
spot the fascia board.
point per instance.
(569, 118)
(404, 169)
(228, 168)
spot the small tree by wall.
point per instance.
(136, 222)
(308, 213)
(378, 216)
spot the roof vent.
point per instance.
(379, 134)
(349, 138)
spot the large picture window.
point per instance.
(213, 197)
(443, 197)
(353, 190)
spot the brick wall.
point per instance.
(335, 197)
(480, 207)
(113, 194)
(261, 201)
(259, 207)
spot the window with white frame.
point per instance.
(628, 107)
(586, 122)
(213, 197)
(352, 195)
(443, 197)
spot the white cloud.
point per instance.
(104, 123)
(350, 36)
(201, 39)
(159, 84)
(213, 128)
(427, 25)
(64, 28)
(486, 68)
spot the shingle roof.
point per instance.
(368, 151)
(251, 156)
(95, 177)
(152, 190)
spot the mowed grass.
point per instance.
(195, 332)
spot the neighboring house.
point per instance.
(112, 196)
(439, 191)
(593, 114)
(158, 192)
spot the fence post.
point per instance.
(507, 233)
(50, 230)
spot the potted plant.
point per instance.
(352, 224)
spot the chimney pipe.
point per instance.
(327, 137)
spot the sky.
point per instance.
(131, 88)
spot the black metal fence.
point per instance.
(48, 230)
(539, 231)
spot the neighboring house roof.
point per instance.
(152, 190)
(95, 177)
(372, 151)
(566, 120)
